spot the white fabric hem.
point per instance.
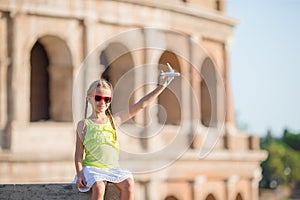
(93, 174)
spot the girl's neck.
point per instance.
(99, 116)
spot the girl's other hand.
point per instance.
(81, 183)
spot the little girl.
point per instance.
(97, 138)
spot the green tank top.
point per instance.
(100, 145)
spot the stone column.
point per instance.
(230, 186)
(93, 59)
(4, 63)
(152, 190)
(230, 118)
(138, 82)
(20, 73)
(150, 75)
(255, 184)
(150, 121)
(86, 75)
(199, 185)
(185, 92)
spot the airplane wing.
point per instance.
(170, 68)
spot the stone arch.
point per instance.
(171, 197)
(239, 197)
(118, 63)
(39, 84)
(210, 197)
(167, 99)
(50, 60)
(208, 87)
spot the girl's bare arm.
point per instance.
(140, 105)
(79, 154)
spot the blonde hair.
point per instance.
(102, 83)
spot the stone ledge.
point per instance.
(51, 191)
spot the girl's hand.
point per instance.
(81, 183)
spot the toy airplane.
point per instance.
(171, 73)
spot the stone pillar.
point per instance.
(150, 121)
(20, 78)
(152, 40)
(230, 118)
(196, 79)
(230, 186)
(90, 73)
(255, 184)
(152, 190)
(151, 73)
(220, 5)
(198, 186)
(138, 83)
(186, 88)
(253, 142)
(4, 63)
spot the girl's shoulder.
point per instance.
(81, 124)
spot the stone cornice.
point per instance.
(80, 11)
(185, 9)
(225, 155)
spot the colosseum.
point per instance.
(184, 147)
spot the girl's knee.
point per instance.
(99, 186)
(127, 185)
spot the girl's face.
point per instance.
(101, 99)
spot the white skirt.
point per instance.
(94, 174)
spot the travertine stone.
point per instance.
(51, 191)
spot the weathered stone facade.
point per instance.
(43, 44)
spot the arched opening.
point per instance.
(39, 84)
(210, 197)
(171, 198)
(118, 63)
(168, 99)
(238, 197)
(208, 94)
(51, 80)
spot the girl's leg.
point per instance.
(127, 189)
(98, 190)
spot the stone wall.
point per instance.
(43, 151)
(52, 191)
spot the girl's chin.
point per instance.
(101, 109)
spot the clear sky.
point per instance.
(265, 65)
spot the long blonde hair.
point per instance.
(102, 83)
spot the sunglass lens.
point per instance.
(107, 99)
(98, 98)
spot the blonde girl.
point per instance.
(97, 139)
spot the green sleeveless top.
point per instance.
(100, 145)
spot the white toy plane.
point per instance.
(171, 73)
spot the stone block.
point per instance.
(254, 142)
(51, 191)
(238, 142)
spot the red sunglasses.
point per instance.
(98, 97)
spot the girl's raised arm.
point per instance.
(124, 115)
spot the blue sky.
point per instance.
(265, 65)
